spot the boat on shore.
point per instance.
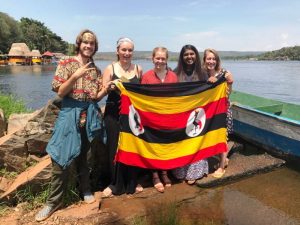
(270, 124)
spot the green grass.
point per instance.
(4, 209)
(11, 104)
(34, 199)
(8, 174)
(163, 214)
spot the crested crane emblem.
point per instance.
(196, 122)
(135, 121)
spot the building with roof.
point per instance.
(19, 54)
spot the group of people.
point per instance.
(81, 85)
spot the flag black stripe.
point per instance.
(170, 136)
(173, 89)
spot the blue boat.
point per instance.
(270, 124)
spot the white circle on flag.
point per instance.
(196, 122)
(135, 121)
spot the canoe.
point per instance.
(270, 124)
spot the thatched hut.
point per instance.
(36, 57)
(18, 54)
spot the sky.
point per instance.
(225, 25)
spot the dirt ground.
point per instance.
(130, 209)
(123, 209)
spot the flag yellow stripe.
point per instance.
(182, 103)
(130, 143)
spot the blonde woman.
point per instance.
(212, 64)
(158, 75)
(123, 177)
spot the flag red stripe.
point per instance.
(172, 121)
(134, 159)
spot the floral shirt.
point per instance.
(85, 88)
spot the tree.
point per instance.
(10, 32)
(37, 36)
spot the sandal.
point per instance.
(165, 178)
(157, 183)
(218, 173)
(191, 182)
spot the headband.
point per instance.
(122, 40)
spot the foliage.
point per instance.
(287, 53)
(10, 32)
(34, 33)
(8, 174)
(38, 36)
(30, 196)
(10, 104)
(4, 209)
(35, 199)
(71, 49)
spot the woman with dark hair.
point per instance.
(189, 65)
(189, 69)
(123, 177)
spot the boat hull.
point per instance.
(274, 133)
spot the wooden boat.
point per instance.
(268, 123)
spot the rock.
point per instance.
(32, 138)
(3, 124)
(18, 121)
(27, 145)
(37, 146)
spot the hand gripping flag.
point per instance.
(165, 126)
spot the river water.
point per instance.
(271, 198)
(272, 79)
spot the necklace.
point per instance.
(125, 69)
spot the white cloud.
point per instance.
(284, 36)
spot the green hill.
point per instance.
(174, 55)
(287, 53)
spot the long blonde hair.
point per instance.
(218, 60)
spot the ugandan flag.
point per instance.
(165, 126)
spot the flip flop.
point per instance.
(218, 174)
(191, 182)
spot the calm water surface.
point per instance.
(272, 198)
(277, 80)
(265, 199)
